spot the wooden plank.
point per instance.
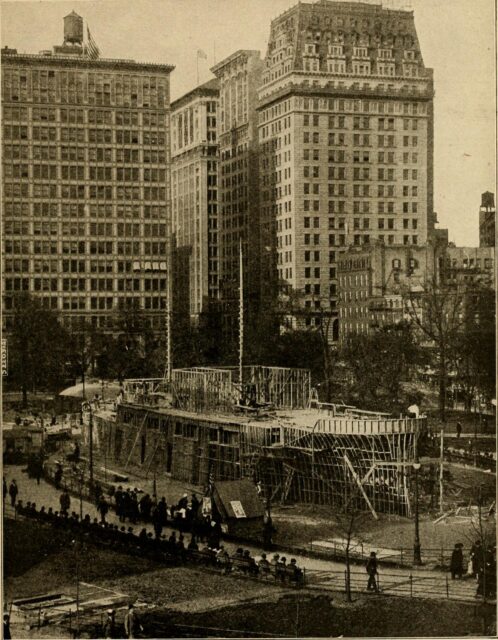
(357, 480)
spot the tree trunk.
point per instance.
(442, 389)
(24, 396)
(348, 575)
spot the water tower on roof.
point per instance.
(73, 28)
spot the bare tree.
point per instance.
(437, 309)
(318, 318)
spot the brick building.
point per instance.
(346, 141)
(239, 76)
(194, 198)
(468, 265)
(373, 280)
(86, 181)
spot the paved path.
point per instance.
(321, 574)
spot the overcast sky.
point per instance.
(456, 37)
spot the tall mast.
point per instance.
(241, 313)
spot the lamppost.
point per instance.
(417, 558)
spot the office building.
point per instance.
(346, 142)
(239, 76)
(194, 200)
(86, 181)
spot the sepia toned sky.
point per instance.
(456, 38)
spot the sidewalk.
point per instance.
(320, 573)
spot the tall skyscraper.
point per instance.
(194, 199)
(239, 76)
(86, 181)
(346, 141)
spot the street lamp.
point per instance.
(417, 558)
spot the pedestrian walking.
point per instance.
(58, 477)
(132, 623)
(458, 429)
(13, 491)
(109, 627)
(456, 562)
(65, 502)
(268, 531)
(372, 572)
(6, 627)
(103, 508)
(476, 557)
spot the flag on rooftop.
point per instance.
(201, 54)
(91, 48)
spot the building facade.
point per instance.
(487, 220)
(194, 198)
(239, 76)
(468, 265)
(346, 139)
(373, 281)
(86, 182)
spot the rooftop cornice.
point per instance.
(208, 89)
(234, 56)
(82, 62)
(344, 92)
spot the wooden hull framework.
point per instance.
(362, 463)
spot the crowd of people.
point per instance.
(172, 550)
(481, 566)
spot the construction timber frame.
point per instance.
(335, 457)
(220, 389)
(364, 463)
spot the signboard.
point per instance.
(5, 362)
(238, 509)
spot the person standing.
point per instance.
(456, 562)
(476, 557)
(268, 531)
(372, 572)
(103, 508)
(65, 502)
(110, 624)
(131, 623)
(458, 429)
(13, 491)
(6, 627)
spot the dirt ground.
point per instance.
(184, 601)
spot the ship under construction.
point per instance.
(264, 423)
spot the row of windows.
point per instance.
(82, 116)
(81, 154)
(102, 266)
(74, 134)
(77, 172)
(80, 192)
(341, 105)
(339, 206)
(76, 228)
(80, 210)
(80, 247)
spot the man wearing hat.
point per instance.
(109, 627)
(456, 563)
(372, 572)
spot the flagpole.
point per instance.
(241, 314)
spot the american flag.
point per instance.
(92, 50)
